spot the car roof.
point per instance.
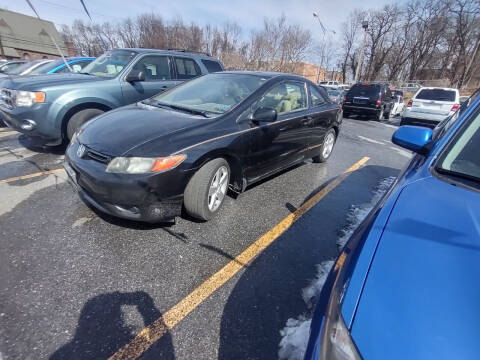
(178, 52)
(266, 74)
(437, 88)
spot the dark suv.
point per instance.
(368, 99)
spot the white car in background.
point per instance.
(431, 105)
(398, 106)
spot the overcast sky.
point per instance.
(247, 13)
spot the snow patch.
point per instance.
(357, 213)
(296, 331)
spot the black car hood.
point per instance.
(120, 131)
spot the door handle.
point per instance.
(307, 121)
(164, 87)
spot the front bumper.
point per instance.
(38, 114)
(142, 197)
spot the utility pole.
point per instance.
(466, 71)
(362, 50)
(315, 15)
(2, 51)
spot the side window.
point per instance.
(156, 68)
(186, 68)
(212, 66)
(284, 98)
(316, 97)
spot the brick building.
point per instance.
(26, 37)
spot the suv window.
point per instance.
(186, 68)
(316, 97)
(286, 97)
(156, 68)
(436, 94)
(212, 66)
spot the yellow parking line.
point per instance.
(169, 319)
(29, 176)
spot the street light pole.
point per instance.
(360, 60)
(324, 30)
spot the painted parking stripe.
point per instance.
(152, 333)
(371, 140)
(29, 176)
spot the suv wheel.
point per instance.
(80, 118)
(207, 189)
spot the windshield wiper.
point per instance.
(180, 108)
(457, 174)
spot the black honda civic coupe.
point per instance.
(184, 148)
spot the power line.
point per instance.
(77, 9)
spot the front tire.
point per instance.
(80, 118)
(206, 190)
(327, 147)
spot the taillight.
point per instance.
(379, 102)
(410, 103)
(455, 107)
(345, 99)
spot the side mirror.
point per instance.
(265, 114)
(135, 76)
(414, 138)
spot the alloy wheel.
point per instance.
(218, 188)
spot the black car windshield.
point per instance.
(109, 64)
(215, 93)
(366, 90)
(460, 159)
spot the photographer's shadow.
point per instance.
(101, 329)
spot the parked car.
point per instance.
(24, 69)
(463, 99)
(59, 67)
(411, 87)
(51, 108)
(398, 106)
(10, 65)
(403, 286)
(186, 146)
(429, 106)
(368, 99)
(335, 95)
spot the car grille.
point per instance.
(94, 155)
(7, 98)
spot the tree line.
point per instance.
(420, 39)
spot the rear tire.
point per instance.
(80, 118)
(200, 190)
(327, 147)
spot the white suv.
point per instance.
(430, 105)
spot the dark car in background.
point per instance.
(188, 145)
(336, 95)
(404, 286)
(369, 99)
(49, 109)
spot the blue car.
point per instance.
(59, 67)
(406, 285)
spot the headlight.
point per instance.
(336, 342)
(28, 98)
(140, 165)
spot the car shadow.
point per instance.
(38, 146)
(269, 291)
(101, 329)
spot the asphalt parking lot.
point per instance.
(78, 284)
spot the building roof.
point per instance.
(22, 32)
